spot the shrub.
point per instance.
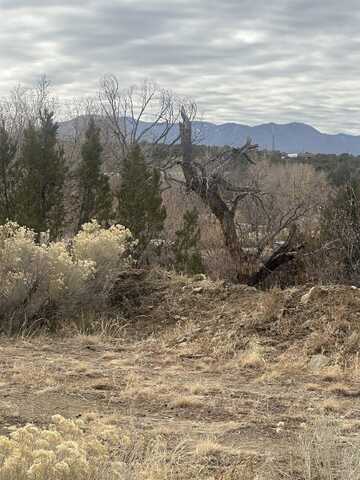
(63, 451)
(50, 280)
(104, 248)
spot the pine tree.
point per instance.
(140, 205)
(186, 248)
(7, 176)
(94, 187)
(42, 168)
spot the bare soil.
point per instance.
(200, 364)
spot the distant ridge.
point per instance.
(291, 137)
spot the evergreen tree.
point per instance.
(140, 205)
(186, 248)
(7, 176)
(94, 187)
(42, 168)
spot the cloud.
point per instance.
(247, 61)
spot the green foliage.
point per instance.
(7, 176)
(140, 205)
(42, 172)
(186, 248)
(94, 189)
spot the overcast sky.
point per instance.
(247, 61)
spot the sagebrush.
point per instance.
(63, 451)
(48, 280)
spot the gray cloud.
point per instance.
(248, 61)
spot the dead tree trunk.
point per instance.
(283, 255)
(208, 188)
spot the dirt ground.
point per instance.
(238, 393)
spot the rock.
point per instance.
(317, 362)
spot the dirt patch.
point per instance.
(221, 370)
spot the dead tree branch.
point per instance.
(223, 198)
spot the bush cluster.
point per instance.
(39, 280)
(63, 451)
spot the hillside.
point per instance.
(202, 380)
(291, 137)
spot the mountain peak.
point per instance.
(288, 137)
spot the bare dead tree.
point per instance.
(23, 105)
(292, 194)
(14, 112)
(208, 179)
(145, 113)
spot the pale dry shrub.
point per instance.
(38, 280)
(34, 277)
(106, 249)
(63, 451)
(21, 266)
(66, 275)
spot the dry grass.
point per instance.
(314, 387)
(208, 384)
(196, 389)
(174, 420)
(187, 401)
(331, 405)
(209, 447)
(332, 374)
(325, 454)
(253, 357)
(340, 389)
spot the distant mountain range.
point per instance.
(289, 138)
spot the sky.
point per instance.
(244, 61)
